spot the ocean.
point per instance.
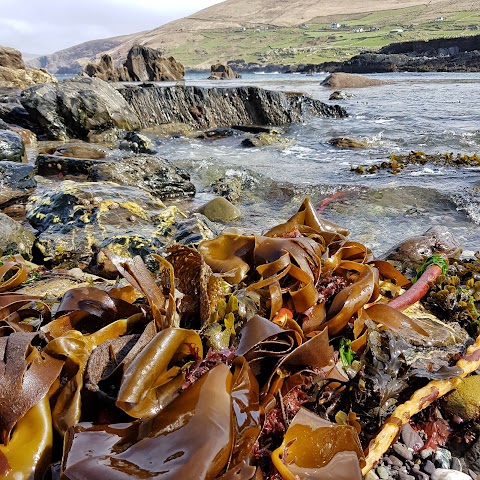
(431, 112)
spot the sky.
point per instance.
(46, 26)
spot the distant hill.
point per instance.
(285, 31)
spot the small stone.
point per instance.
(221, 210)
(442, 458)
(447, 474)
(371, 475)
(429, 467)
(420, 475)
(456, 464)
(405, 476)
(427, 452)
(402, 451)
(395, 461)
(411, 438)
(382, 472)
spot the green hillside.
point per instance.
(319, 42)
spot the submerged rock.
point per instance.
(264, 140)
(14, 237)
(16, 181)
(344, 142)
(77, 106)
(340, 95)
(12, 147)
(150, 173)
(221, 210)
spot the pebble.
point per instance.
(443, 458)
(447, 474)
(371, 475)
(382, 472)
(402, 451)
(456, 464)
(395, 461)
(427, 452)
(405, 476)
(420, 475)
(411, 438)
(429, 467)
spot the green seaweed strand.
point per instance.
(435, 259)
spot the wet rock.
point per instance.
(221, 210)
(16, 181)
(442, 458)
(219, 71)
(343, 142)
(77, 106)
(12, 111)
(340, 95)
(77, 150)
(53, 165)
(192, 231)
(414, 251)
(465, 400)
(216, 133)
(150, 173)
(472, 457)
(382, 473)
(76, 219)
(340, 80)
(264, 140)
(446, 474)
(255, 129)
(12, 148)
(229, 187)
(14, 237)
(138, 143)
(411, 438)
(205, 108)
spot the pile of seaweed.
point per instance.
(251, 356)
(396, 163)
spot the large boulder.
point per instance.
(104, 69)
(12, 147)
(142, 64)
(75, 220)
(146, 64)
(14, 237)
(11, 58)
(219, 71)
(222, 107)
(152, 174)
(75, 107)
(16, 182)
(339, 80)
(14, 74)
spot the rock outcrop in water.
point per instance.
(222, 107)
(142, 64)
(84, 106)
(219, 71)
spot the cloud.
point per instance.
(45, 27)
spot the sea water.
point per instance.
(429, 112)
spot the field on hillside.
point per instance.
(316, 42)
